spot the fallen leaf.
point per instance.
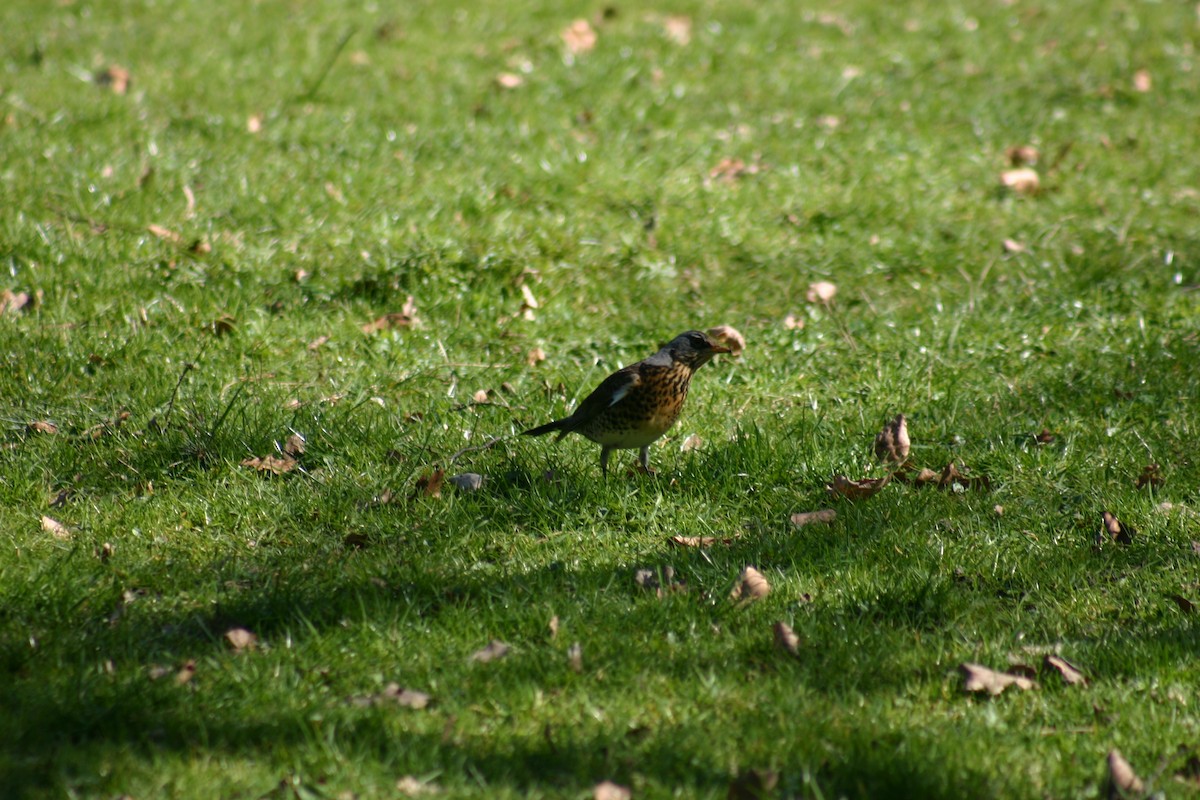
(802, 518)
(394, 694)
(1045, 437)
(509, 80)
(730, 337)
(575, 657)
(254, 123)
(1142, 82)
(952, 478)
(43, 426)
(579, 37)
(411, 786)
(275, 465)
(1122, 780)
(56, 529)
(979, 678)
(1185, 605)
(1013, 247)
(200, 247)
(430, 484)
(294, 446)
(678, 29)
(535, 356)
(1113, 530)
(751, 585)
(480, 396)
(892, 443)
(11, 302)
(729, 170)
(841, 486)
(553, 625)
(692, 442)
(1022, 180)
(793, 323)
(786, 638)
(607, 790)
(166, 234)
(317, 343)
(699, 541)
(1150, 477)
(493, 651)
(650, 578)
(821, 292)
(754, 784)
(241, 639)
(115, 78)
(1070, 673)
(467, 482)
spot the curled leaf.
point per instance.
(1113, 530)
(730, 337)
(978, 678)
(579, 37)
(892, 443)
(1122, 780)
(56, 529)
(786, 638)
(841, 486)
(821, 292)
(1022, 180)
(430, 484)
(802, 518)
(1150, 477)
(493, 651)
(241, 639)
(692, 442)
(751, 585)
(274, 465)
(1070, 673)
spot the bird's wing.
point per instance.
(611, 391)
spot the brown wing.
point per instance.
(610, 392)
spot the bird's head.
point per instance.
(694, 348)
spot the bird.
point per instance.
(637, 404)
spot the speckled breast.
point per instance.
(646, 412)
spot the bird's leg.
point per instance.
(604, 451)
(644, 460)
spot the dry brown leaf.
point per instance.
(254, 123)
(692, 442)
(317, 343)
(841, 486)
(952, 478)
(294, 446)
(1122, 780)
(1070, 673)
(115, 78)
(575, 657)
(43, 426)
(979, 678)
(1113, 530)
(1012, 246)
(1150, 477)
(535, 356)
(394, 694)
(1185, 605)
(792, 322)
(699, 541)
(1022, 180)
(730, 337)
(821, 292)
(1142, 82)
(678, 29)
(729, 170)
(1045, 437)
(430, 484)
(166, 234)
(467, 482)
(751, 585)
(493, 651)
(509, 80)
(11, 302)
(786, 638)
(274, 465)
(892, 443)
(56, 529)
(579, 37)
(802, 518)
(607, 790)
(241, 639)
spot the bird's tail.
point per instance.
(560, 425)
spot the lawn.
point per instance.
(276, 274)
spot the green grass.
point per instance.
(396, 166)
